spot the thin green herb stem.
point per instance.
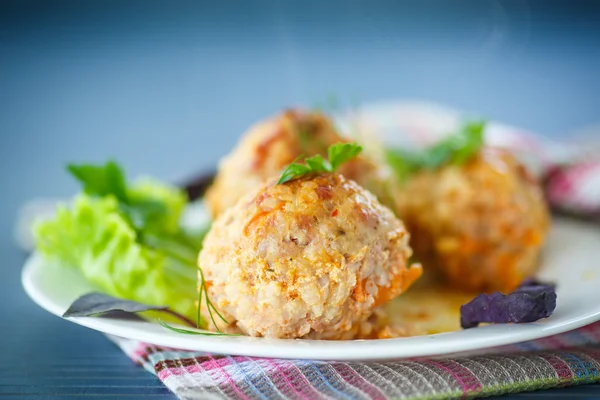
(188, 332)
(207, 300)
(218, 313)
(199, 315)
(209, 305)
(179, 316)
(210, 312)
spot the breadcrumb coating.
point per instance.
(269, 146)
(311, 258)
(481, 224)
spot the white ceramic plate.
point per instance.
(570, 260)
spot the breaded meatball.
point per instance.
(269, 146)
(481, 224)
(309, 258)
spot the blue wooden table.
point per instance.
(167, 90)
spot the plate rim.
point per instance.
(377, 349)
(342, 350)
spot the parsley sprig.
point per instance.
(337, 155)
(455, 149)
(146, 217)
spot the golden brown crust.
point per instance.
(481, 224)
(269, 146)
(310, 258)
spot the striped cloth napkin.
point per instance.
(571, 358)
(572, 183)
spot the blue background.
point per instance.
(167, 88)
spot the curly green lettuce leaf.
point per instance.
(98, 238)
(164, 204)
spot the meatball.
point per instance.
(309, 258)
(481, 224)
(269, 146)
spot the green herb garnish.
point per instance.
(209, 305)
(342, 152)
(147, 216)
(127, 241)
(188, 332)
(143, 214)
(101, 180)
(456, 149)
(337, 155)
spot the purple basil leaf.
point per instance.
(101, 304)
(530, 302)
(534, 282)
(97, 303)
